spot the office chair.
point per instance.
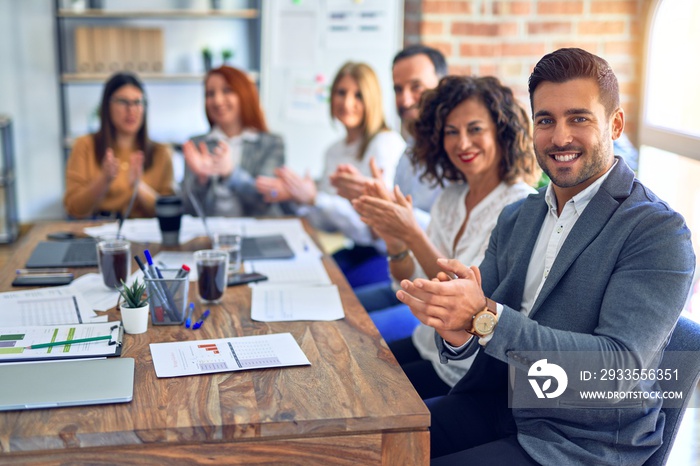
(685, 337)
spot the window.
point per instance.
(669, 155)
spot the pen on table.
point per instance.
(50, 270)
(128, 207)
(143, 268)
(155, 273)
(159, 292)
(168, 303)
(201, 320)
(188, 322)
(45, 274)
(69, 342)
(183, 272)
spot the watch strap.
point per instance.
(398, 257)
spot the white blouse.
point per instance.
(447, 215)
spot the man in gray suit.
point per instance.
(593, 263)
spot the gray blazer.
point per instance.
(259, 157)
(618, 284)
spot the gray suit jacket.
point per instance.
(618, 284)
(259, 157)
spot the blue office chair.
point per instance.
(685, 337)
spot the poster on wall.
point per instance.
(307, 97)
(295, 42)
(357, 23)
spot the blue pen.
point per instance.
(154, 270)
(201, 320)
(188, 322)
(165, 295)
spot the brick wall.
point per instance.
(505, 38)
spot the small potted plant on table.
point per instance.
(134, 308)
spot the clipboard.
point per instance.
(14, 342)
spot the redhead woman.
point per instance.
(105, 168)
(221, 166)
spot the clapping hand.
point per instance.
(135, 167)
(444, 304)
(205, 164)
(272, 189)
(302, 190)
(110, 166)
(198, 161)
(348, 181)
(386, 217)
(351, 184)
(221, 162)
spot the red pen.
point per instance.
(183, 272)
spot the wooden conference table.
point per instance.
(353, 405)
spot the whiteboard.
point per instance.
(304, 43)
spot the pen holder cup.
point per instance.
(167, 297)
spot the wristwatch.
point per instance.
(484, 321)
(398, 257)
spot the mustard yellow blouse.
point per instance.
(82, 168)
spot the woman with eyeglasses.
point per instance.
(106, 167)
(221, 166)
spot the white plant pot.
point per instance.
(135, 320)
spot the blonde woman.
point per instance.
(357, 104)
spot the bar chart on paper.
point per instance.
(209, 361)
(226, 354)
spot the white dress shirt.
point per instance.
(554, 231)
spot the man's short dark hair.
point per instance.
(572, 63)
(436, 57)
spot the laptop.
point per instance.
(265, 247)
(73, 253)
(66, 383)
(252, 247)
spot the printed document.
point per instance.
(15, 340)
(182, 358)
(45, 306)
(298, 272)
(284, 303)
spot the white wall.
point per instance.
(29, 95)
(29, 90)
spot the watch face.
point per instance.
(484, 323)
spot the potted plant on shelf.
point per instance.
(207, 57)
(134, 308)
(226, 55)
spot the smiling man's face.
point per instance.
(572, 134)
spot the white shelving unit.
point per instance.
(175, 95)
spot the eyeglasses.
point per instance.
(126, 103)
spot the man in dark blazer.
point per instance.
(593, 263)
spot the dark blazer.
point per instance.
(618, 283)
(259, 157)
